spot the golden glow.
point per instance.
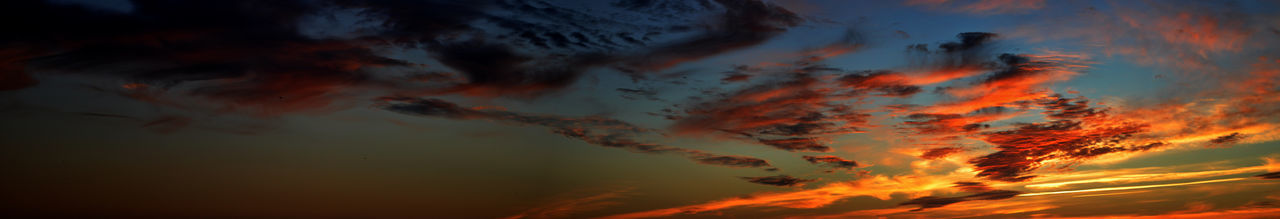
(1132, 187)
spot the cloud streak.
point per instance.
(593, 130)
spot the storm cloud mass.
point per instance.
(639, 109)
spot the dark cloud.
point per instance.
(994, 195)
(744, 23)
(664, 6)
(498, 70)
(637, 91)
(731, 161)
(735, 77)
(255, 56)
(241, 53)
(634, 94)
(796, 144)
(1018, 67)
(932, 202)
(972, 186)
(1271, 175)
(779, 180)
(571, 41)
(591, 40)
(739, 73)
(884, 83)
(968, 41)
(928, 202)
(1059, 107)
(1227, 139)
(942, 152)
(594, 130)
(492, 66)
(831, 161)
(972, 50)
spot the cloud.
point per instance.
(1202, 119)
(1206, 48)
(1271, 175)
(594, 130)
(779, 180)
(831, 161)
(1017, 78)
(793, 110)
(969, 55)
(884, 83)
(498, 70)
(796, 144)
(632, 94)
(879, 186)
(259, 58)
(928, 202)
(1074, 135)
(241, 53)
(789, 114)
(946, 125)
(1181, 37)
(731, 161)
(744, 23)
(1227, 139)
(938, 153)
(972, 186)
(981, 7)
(577, 40)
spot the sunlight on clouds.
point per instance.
(1133, 187)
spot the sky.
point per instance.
(640, 109)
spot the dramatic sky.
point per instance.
(640, 108)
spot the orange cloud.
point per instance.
(1184, 38)
(1243, 112)
(1021, 80)
(1078, 131)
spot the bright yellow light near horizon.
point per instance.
(1133, 187)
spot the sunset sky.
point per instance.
(639, 109)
